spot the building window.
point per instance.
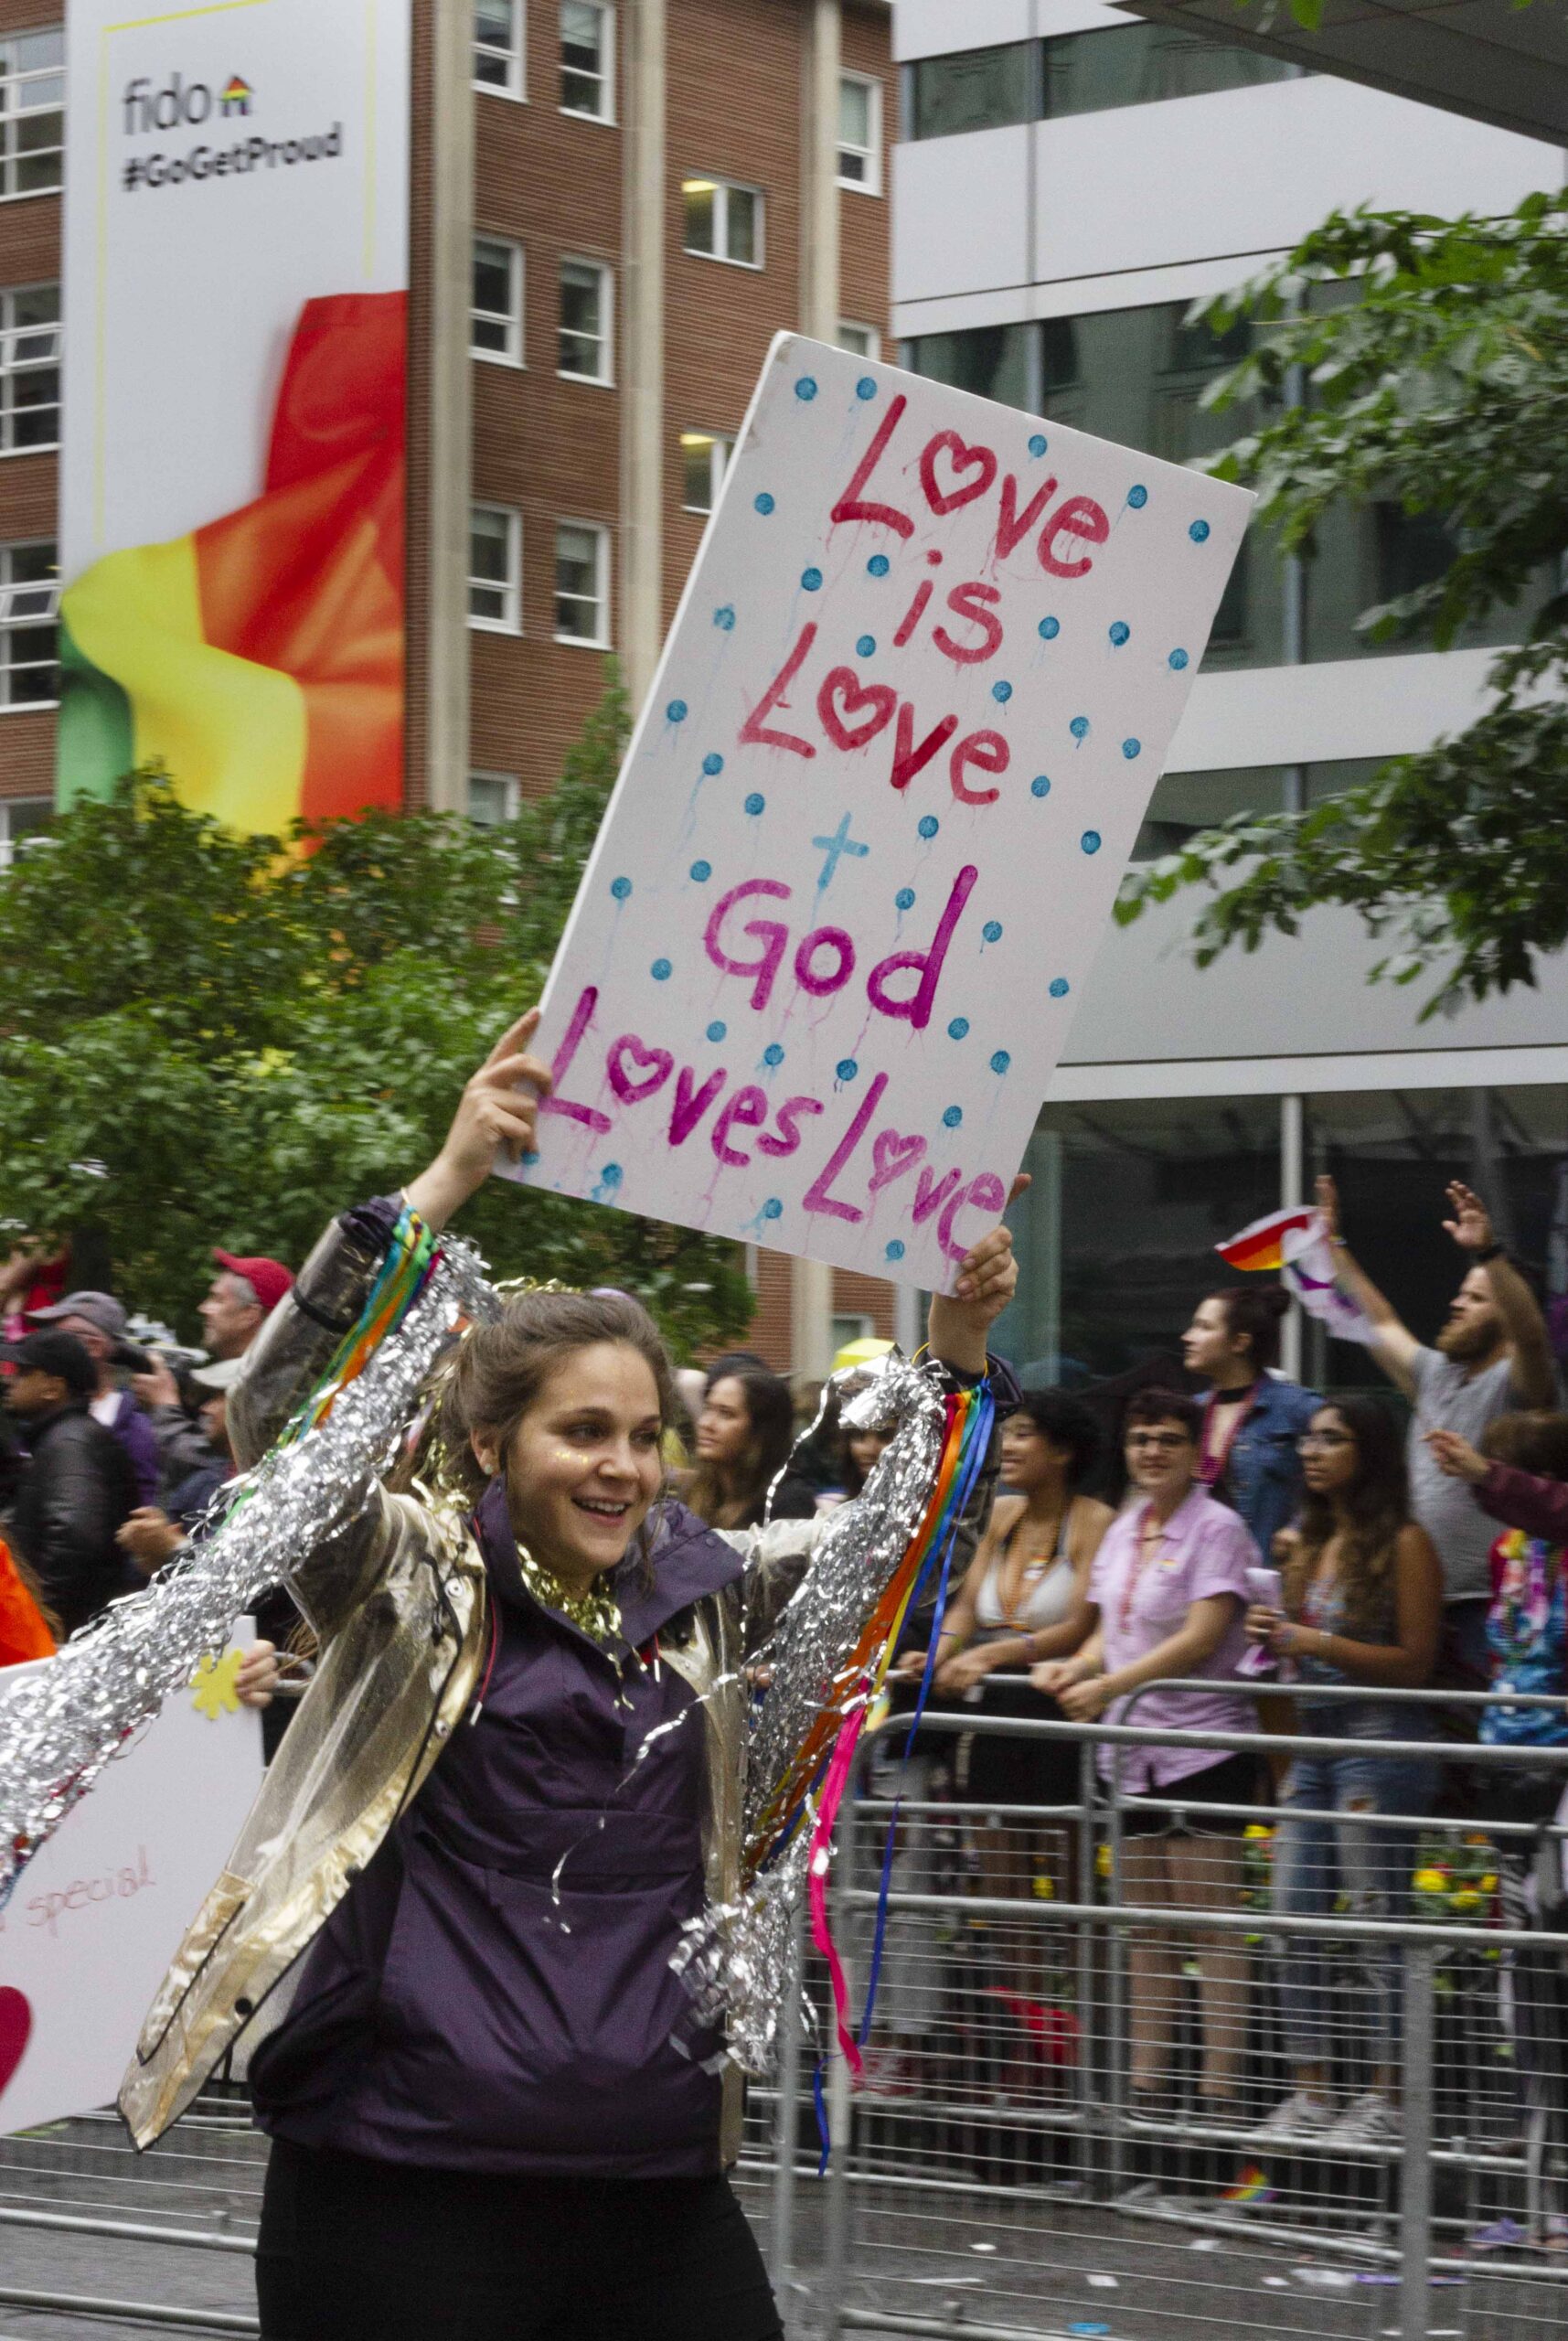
(497, 330)
(498, 29)
(493, 799)
(588, 59)
(22, 818)
(29, 369)
(862, 341)
(495, 569)
(32, 112)
(582, 583)
(586, 310)
(723, 221)
(976, 89)
(861, 133)
(29, 607)
(1086, 72)
(704, 459)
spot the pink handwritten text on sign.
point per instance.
(921, 683)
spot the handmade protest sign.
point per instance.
(91, 1930)
(920, 685)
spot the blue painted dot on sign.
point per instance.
(1137, 497)
(806, 389)
(677, 711)
(763, 504)
(1000, 1062)
(660, 971)
(1050, 628)
(1090, 840)
(773, 1208)
(1132, 749)
(724, 619)
(702, 871)
(712, 763)
(928, 825)
(756, 804)
(865, 388)
(1059, 987)
(528, 1160)
(1040, 786)
(1178, 659)
(811, 579)
(879, 565)
(1120, 632)
(620, 888)
(1079, 727)
(716, 1031)
(958, 1028)
(612, 1174)
(867, 647)
(1037, 444)
(1002, 692)
(773, 1053)
(951, 1117)
(905, 899)
(846, 1068)
(992, 930)
(895, 1250)
(1198, 532)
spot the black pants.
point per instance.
(355, 2250)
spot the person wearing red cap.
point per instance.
(241, 1299)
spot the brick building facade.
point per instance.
(656, 188)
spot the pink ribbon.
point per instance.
(821, 1840)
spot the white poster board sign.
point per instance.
(921, 683)
(99, 1912)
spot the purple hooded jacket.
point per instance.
(493, 1993)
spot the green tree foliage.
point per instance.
(206, 1038)
(1444, 387)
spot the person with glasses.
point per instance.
(1168, 1594)
(1363, 1605)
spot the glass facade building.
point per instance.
(1052, 262)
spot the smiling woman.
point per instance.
(510, 1791)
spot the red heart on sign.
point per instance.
(978, 460)
(843, 689)
(15, 2026)
(889, 1155)
(628, 1087)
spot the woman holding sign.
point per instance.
(506, 1794)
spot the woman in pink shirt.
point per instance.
(1168, 1594)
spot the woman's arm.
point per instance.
(1057, 1674)
(1194, 1642)
(1403, 1665)
(1519, 1499)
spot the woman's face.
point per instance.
(1209, 1347)
(1028, 1458)
(585, 1463)
(1161, 1458)
(865, 1446)
(724, 1426)
(1328, 1452)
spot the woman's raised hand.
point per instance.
(494, 1115)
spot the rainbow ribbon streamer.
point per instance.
(813, 1788)
(412, 1257)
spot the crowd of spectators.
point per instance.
(112, 1448)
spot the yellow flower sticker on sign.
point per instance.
(213, 1688)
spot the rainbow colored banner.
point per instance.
(260, 657)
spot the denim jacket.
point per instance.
(1262, 1478)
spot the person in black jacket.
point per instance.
(79, 1486)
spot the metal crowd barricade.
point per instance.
(994, 2179)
